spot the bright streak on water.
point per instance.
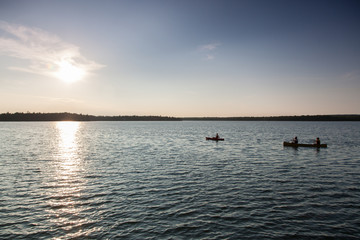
(68, 147)
(67, 184)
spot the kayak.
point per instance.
(289, 144)
(215, 139)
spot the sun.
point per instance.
(68, 72)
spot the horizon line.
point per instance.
(192, 117)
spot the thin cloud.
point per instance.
(208, 49)
(353, 76)
(210, 57)
(43, 50)
(62, 100)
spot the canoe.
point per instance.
(214, 139)
(289, 144)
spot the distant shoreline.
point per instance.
(65, 116)
(328, 118)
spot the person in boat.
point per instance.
(217, 136)
(317, 141)
(295, 140)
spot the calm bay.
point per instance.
(163, 180)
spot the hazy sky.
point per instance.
(180, 58)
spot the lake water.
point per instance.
(163, 180)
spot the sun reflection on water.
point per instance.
(68, 182)
(67, 139)
(68, 148)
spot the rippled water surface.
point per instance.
(163, 180)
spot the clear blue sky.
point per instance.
(180, 58)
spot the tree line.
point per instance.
(65, 116)
(353, 117)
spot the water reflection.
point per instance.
(68, 146)
(68, 183)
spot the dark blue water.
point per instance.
(163, 180)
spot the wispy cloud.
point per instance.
(208, 49)
(210, 57)
(353, 76)
(62, 100)
(44, 51)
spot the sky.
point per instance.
(188, 58)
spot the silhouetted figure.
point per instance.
(317, 141)
(217, 136)
(295, 140)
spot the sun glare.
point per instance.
(69, 73)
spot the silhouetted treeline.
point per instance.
(283, 118)
(19, 116)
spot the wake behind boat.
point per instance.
(290, 144)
